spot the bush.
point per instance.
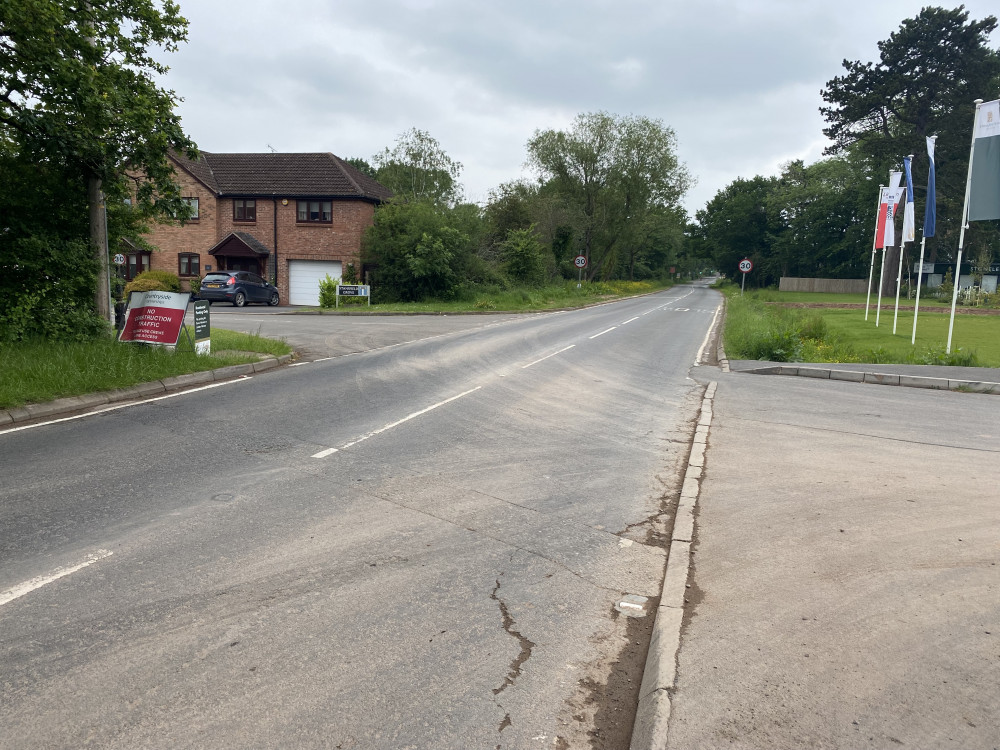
(328, 292)
(154, 281)
(46, 314)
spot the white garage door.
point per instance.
(304, 277)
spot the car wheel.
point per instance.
(273, 301)
(240, 299)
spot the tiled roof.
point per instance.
(292, 175)
(240, 241)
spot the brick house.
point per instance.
(292, 218)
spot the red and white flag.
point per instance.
(885, 232)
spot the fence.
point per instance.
(831, 286)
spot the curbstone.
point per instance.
(136, 391)
(652, 720)
(814, 372)
(675, 581)
(881, 378)
(181, 381)
(5, 417)
(233, 371)
(918, 381)
(848, 375)
(974, 386)
(265, 364)
(49, 408)
(683, 523)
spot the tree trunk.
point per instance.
(99, 245)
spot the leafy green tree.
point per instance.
(928, 74)
(77, 92)
(415, 252)
(734, 225)
(821, 219)
(418, 169)
(524, 257)
(614, 171)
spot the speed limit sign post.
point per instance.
(580, 261)
(746, 266)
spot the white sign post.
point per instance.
(580, 261)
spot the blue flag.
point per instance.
(930, 208)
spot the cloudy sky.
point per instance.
(738, 81)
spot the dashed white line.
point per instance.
(525, 367)
(631, 319)
(36, 583)
(603, 332)
(329, 451)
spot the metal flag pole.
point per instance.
(871, 271)
(923, 243)
(902, 240)
(961, 234)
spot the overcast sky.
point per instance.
(739, 82)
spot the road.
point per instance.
(421, 545)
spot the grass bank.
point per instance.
(37, 371)
(756, 330)
(552, 297)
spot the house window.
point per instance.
(188, 264)
(136, 264)
(244, 209)
(193, 203)
(318, 211)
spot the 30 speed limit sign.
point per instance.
(746, 265)
(580, 261)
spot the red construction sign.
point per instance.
(155, 317)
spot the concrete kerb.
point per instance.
(156, 387)
(652, 717)
(879, 378)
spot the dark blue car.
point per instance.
(238, 287)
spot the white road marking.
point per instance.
(631, 319)
(525, 367)
(241, 379)
(36, 583)
(398, 422)
(603, 332)
(701, 351)
(299, 364)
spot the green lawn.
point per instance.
(978, 334)
(758, 330)
(36, 371)
(888, 298)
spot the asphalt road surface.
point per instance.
(417, 546)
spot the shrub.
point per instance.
(154, 281)
(328, 292)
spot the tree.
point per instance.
(736, 224)
(928, 75)
(77, 93)
(614, 171)
(415, 251)
(418, 169)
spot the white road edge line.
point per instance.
(324, 454)
(701, 351)
(603, 332)
(525, 367)
(241, 379)
(36, 583)
(398, 422)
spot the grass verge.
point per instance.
(755, 330)
(552, 297)
(36, 371)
